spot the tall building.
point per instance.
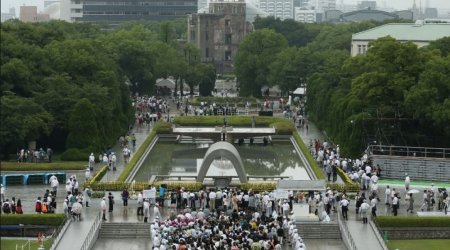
(367, 5)
(30, 14)
(115, 11)
(283, 9)
(9, 15)
(218, 33)
(322, 5)
(307, 16)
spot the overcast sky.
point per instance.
(442, 5)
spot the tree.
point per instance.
(83, 129)
(254, 57)
(23, 120)
(207, 78)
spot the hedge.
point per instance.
(350, 185)
(341, 187)
(98, 176)
(262, 186)
(410, 221)
(21, 166)
(281, 125)
(224, 100)
(163, 127)
(137, 155)
(119, 186)
(32, 219)
(312, 162)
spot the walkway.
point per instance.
(363, 235)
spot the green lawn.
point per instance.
(10, 244)
(419, 244)
(415, 183)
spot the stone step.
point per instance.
(319, 231)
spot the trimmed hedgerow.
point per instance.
(45, 166)
(32, 219)
(410, 221)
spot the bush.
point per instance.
(97, 195)
(344, 187)
(32, 219)
(163, 127)
(262, 186)
(284, 127)
(119, 186)
(75, 154)
(98, 176)
(409, 221)
(54, 166)
(312, 162)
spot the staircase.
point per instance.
(124, 230)
(317, 230)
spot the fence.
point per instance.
(93, 232)
(59, 232)
(409, 151)
(346, 236)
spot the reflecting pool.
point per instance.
(185, 159)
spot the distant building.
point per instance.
(115, 11)
(307, 16)
(30, 14)
(421, 34)
(283, 9)
(219, 33)
(405, 14)
(322, 5)
(332, 16)
(8, 15)
(431, 13)
(367, 15)
(367, 5)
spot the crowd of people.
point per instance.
(36, 155)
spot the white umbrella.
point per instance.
(413, 191)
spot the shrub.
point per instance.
(54, 166)
(32, 219)
(409, 221)
(344, 187)
(118, 185)
(284, 127)
(262, 186)
(163, 127)
(97, 195)
(98, 176)
(75, 154)
(312, 162)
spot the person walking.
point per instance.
(91, 162)
(407, 182)
(364, 210)
(387, 196)
(140, 202)
(411, 204)
(146, 210)
(395, 204)
(373, 205)
(125, 197)
(103, 208)
(87, 195)
(344, 207)
(425, 200)
(111, 202)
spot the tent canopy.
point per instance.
(299, 91)
(302, 185)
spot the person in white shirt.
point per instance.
(387, 195)
(286, 209)
(212, 200)
(91, 161)
(103, 208)
(344, 207)
(395, 204)
(407, 182)
(54, 185)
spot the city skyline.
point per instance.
(443, 6)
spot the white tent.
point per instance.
(300, 91)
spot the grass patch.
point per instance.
(418, 244)
(8, 244)
(54, 166)
(408, 221)
(312, 162)
(32, 219)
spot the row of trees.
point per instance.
(69, 85)
(396, 94)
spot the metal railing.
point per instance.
(92, 232)
(346, 236)
(22, 247)
(409, 151)
(59, 232)
(378, 235)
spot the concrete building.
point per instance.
(114, 11)
(30, 14)
(8, 15)
(367, 15)
(307, 16)
(322, 5)
(420, 33)
(367, 5)
(218, 33)
(283, 9)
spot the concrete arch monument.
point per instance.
(225, 150)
